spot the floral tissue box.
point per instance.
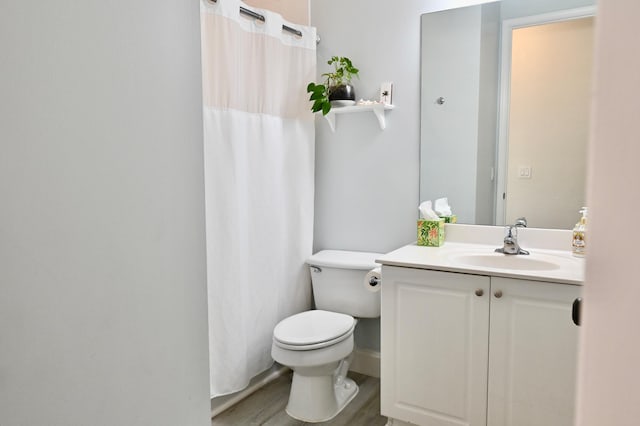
(431, 232)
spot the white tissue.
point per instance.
(441, 207)
(426, 212)
(376, 274)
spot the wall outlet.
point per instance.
(386, 90)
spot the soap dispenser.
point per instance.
(579, 243)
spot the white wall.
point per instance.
(609, 373)
(103, 315)
(295, 11)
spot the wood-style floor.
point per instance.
(266, 406)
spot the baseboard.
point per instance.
(367, 362)
(259, 382)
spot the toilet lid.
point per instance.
(313, 327)
(345, 259)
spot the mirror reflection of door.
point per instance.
(549, 107)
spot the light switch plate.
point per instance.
(524, 172)
(386, 92)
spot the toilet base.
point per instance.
(318, 398)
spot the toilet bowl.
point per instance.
(318, 344)
(314, 344)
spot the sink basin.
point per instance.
(503, 261)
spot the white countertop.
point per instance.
(548, 262)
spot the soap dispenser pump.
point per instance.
(579, 243)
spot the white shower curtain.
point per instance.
(259, 171)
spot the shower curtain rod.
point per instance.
(259, 17)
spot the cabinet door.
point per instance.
(434, 337)
(532, 353)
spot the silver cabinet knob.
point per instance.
(498, 294)
(479, 292)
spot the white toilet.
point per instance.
(317, 345)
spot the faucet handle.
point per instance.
(521, 222)
(511, 245)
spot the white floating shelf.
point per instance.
(378, 110)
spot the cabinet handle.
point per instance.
(498, 294)
(479, 292)
(575, 311)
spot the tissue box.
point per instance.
(431, 232)
(450, 219)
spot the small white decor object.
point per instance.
(367, 102)
(386, 90)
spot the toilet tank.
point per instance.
(337, 277)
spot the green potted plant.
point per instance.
(337, 87)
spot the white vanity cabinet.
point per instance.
(434, 346)
(464, 349)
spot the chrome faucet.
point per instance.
(511, 245)
(521, 222)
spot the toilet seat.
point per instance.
(313, 330)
